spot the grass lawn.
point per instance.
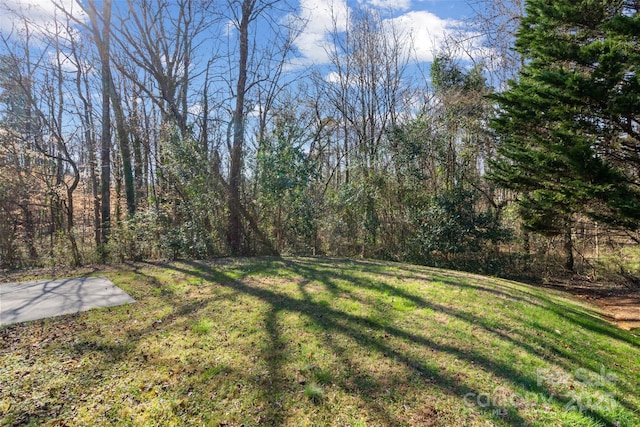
(306, 341)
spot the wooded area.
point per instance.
(176, 129)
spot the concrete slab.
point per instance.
(20, 302)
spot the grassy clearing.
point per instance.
(321, 342)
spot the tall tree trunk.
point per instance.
(86, 118)
(102, 40)
(93, 161)
(567, 245)
(125, 148)
(234, 226)
(136, 142)
(75, 253)
(29, 228)
(110, 98)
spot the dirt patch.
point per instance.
(624, 310)
(619, 298)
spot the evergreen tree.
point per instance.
(569, 129)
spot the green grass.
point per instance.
(314, 392)
(306, 341)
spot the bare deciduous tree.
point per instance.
(497, 21)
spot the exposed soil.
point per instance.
(618, 298)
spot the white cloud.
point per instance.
(334, 77)
(196, 109)
(229, 28)
(427, 31)
(38, 14)
(321, 18)
(389, 5)
(431, 34)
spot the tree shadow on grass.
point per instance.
(384, 340)
(579, 353)
(371, 334)
(586, 318)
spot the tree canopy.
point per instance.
(569, 128)
(146, 130)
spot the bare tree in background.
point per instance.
(44, 88)
(252, 56)
(79, 56)
(497, 21)
(99, 27)
(161, 40)
(242, 20)
(20, 133)
(365, 88)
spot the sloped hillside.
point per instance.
(307, 341)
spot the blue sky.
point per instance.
(428, 22)
(444, 9)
